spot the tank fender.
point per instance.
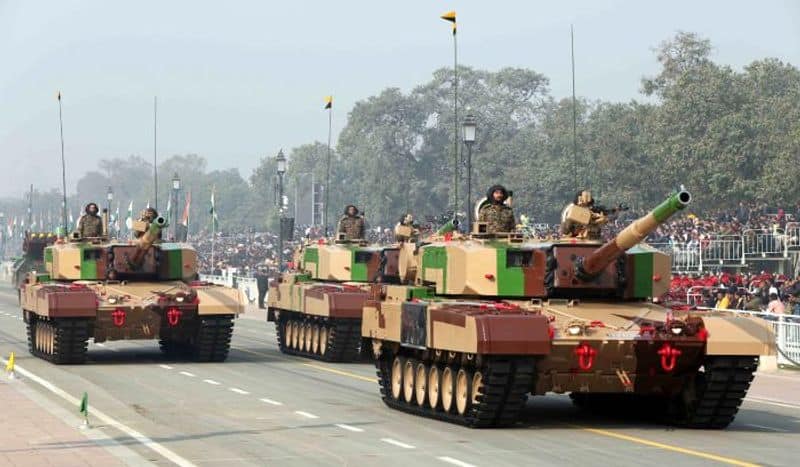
(219, 300)
(732, 335)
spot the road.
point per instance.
(264, 408)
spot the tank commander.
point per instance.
(90, 224)
(497, 214)
(351, 225)
(146, 217)
(405, 230)
(580, 219)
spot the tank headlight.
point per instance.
(179, 299)
(677, 330)
(112, 300)
(575, 330)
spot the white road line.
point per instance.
(166, 367)
(775, 402)
(239, 391)
(95, 412)
(305, 414)
(211, 381)
(769, 428)
(457, 462)
(186, 373)
(349, 428)
(270, 401)
(397, 443)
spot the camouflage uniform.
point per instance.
(90, 225)
(146, 215)
(352, 226)
(499, 218)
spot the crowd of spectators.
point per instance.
(772, 293)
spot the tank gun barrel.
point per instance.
(148, 238)
(632, 234)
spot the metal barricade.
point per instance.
(763, 243)
(722, 250)
(248, 287)
(684, 258)
(792, 237)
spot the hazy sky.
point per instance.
(238, 80)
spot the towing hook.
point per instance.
(586, 355)
(174, 316)
(118, 316)
(669, 356)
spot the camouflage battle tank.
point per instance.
(491, 318)
(317, 307)
(33, 246)
(115, 290)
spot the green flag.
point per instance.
(85, 404)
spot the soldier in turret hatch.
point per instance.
(351, 225)
(499, 217)
(147, 216)
(580, 219)
(90, 224)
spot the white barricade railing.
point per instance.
(722, 249)
(248, 287)
(685, 258)
(763, 243)
(219, 280)
(787, 333)
(792, 236)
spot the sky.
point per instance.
(236, 81)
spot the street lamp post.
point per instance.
(280, 163)
(176, 188)
(2, 235)
(109, 199)
(468, 132)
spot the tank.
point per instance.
(483, 321)
(123, 290)
(32, 259)
(317, 306)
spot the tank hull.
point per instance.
(188, 320)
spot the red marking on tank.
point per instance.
(585, 354)
(174, 316)
(448, 236)
(597, 324)
(489, 276)
(702, 334)
(647, 329)
(118, 315)
(657, 278)
(669, 356)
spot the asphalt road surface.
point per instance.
(264, 408)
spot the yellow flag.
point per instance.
(450, 16)
(10, 364)
(328, 102)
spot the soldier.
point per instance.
(262, 283)
(90, 224)
(580, 220)
(405, 230)
(147, 215)
(351, 224)
(498, 216)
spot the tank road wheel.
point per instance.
(463, 391)
(448, 388)
(421, 384)
(315, 339)
(295, 335)
(409, 371)
(48, 341)
(213, 339)
(287, 334)
(434, 386)
(30, 328)
(712, 398)
(309, 342)
(61, 341)
(323, 339)
(397, 377)
(476, 390)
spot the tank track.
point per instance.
(213, 339)
(506, 381)
(713, 397)
(60, 341)
(341, 336)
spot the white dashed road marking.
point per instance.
(211, 381)
(769, 428)
(457, 462)
(166, 367)
(305, 414)
(239, 391)
(270, 401)
(186, 373)
(397, 443)
(354, 429)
